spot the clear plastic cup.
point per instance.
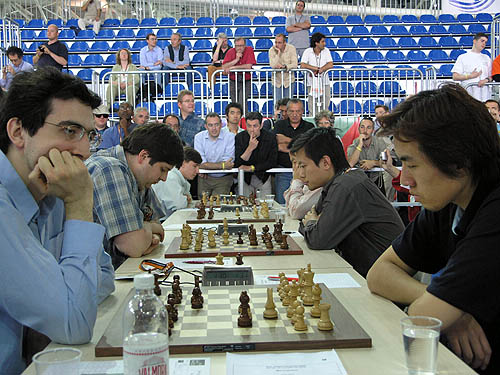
(270, 200)
(60, 361)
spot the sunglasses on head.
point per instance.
(102, 115)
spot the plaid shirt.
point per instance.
(118, 204)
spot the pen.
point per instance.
(277, 278)
(199, 262)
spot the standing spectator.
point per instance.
(92, 15)
(297, 26)
(101, 115)
(190, 123)
(127, 84)
(176, 59)
(234, 112)
(317, 58)
(115, 134)
(240, 84)
(51, 53)
(256, 151)
(216, 148)
(324, 119)
(16, 65)
(218, 53)
(475, 67)
(282, 56)
(151, 56)
(280, 113)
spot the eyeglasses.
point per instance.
(188, 101)
(75, 132)
(101, 115)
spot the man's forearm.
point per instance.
(247, 154)
(354, 158)
(208, 165)
(134, 243)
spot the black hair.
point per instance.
(190, 154)
(283, 101)
(368, 118)
(319, 142)
(233, 105)
(479, 36)
(452, 129)
(316, 38)
(171, 115)
(211, 115)
(13, 50)
(386, 108)
(161, 142)
(30, 99)
(254, 116)
(493, 101)
(149, 34)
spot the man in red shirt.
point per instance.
(237, 58)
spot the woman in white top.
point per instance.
(123, 83)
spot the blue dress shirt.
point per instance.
(215, 150)
(53, 272)
(190, 126)
(148, 57)
(113, 136)
(177, 61)
(23, 67)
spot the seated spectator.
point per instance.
(280, 113)
(324, 119)
(190, 123)
(282, 56)
(123, 201)
(151, 56)
(218, 53)
(54, 271)
(380, 110)
(91, 15)
(234, 113)
(16, 65)
(237, 58)
(173, 122)
(101, 115)
(141, 116)
(173, 193)
(216, 148)
(256, 151)
(450, 152)
(127, 84)
(299, 200)
(176, 59)
(352, 216)
(114, 135)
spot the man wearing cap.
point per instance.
(101, 115)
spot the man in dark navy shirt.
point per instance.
(53, 53)
(450, 150)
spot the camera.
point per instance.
(40, 48)
(383, 156)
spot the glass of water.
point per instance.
(420, 339)
(270, 200)
(60, 361)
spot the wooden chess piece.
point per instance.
(270, 311)
(308, 276)
(284, 242)
(290, 312)
(253, 237)
(239, 221)
(211, 239)
(286, 295)
(157, 289)
(217, 200)
(175, 313)
(211, 213)
(225, 238)
(315, 311)
(300, 324)
(255, 212)
(269, 244)
(237, 212)
(239, 241)
(170, 314)
(220, 259)
(201, 212)
(184, 241)
(245, 319)
(177, 292)
(197, 245)
(196, 299)
(197, 281)
(239, 259)
(325, 324)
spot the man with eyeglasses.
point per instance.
(16, 65)
(52, 256)
(115, 134)
(189, 122)
(217, 152)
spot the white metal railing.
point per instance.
(10, 36)
(495, 37)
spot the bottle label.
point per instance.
(151, 361)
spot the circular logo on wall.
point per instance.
(471, 5)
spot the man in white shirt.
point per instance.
(318, 59)
(174, 192)
(475, 67)
(92, 15)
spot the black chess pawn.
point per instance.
(177, 278)
(157, 289)
(239, 259)
(239, 241)
(196, 299)
(197, 281)
(239, 221)
(244, 320)
(170, 314)
(175, 314)
(211, 213)
(177, 292)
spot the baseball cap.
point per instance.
(101, 110)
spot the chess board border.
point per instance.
(346, 334)
(174, 252)
(271, 219)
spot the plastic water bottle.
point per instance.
(145, 331)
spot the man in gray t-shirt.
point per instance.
(297, 26)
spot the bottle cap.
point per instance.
(144, 281)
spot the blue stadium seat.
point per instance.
(202, 70)
(321, 29)
(111, 22)
(379, 30)
(268, 108)
(79, 47)
(476, 28)
(201, 58)
(74, 60)
(374, 56)
(437, 29)
(486, 52)
(197, 108)
(390, 88)
(221, 90)
(416, 55)
(395, 56)
(299, 89)
(466, 41)
(99, 46)
(164, 33)
(86, 34)
(223, 21)
(197, 89)
(424, 67)
(203, 32)
(245, 32)
(130, 22)
(391, 18)
(102, 73)
(340, 30)
(360, 30)
(186, 32)
(438, 55)
(105, 34)
(136, 59)
(335, 56)
(278, 20)
(446, 18)
(168, 21)
(407, 41)
(255, 90)
(280, 30)
(457, 29)
(366, 43)
(28, 34)
(225, 30)
(36, 23)
(264, 73)
(394, 103)
(343, 88)
(445, 70)
(172, 90)
(33, 46)
(188, 44)
(399, 30)
(456, 52)
(427, 41)
(202, 44)
(333, 108)
(404, 71)
(330, 43)
(261, 20)
(381, 72)
(143, 32)
(386, 42)
(111, 60)
(484, 17)
(42, 34)
(339, 72)
(448, 41)
(335, 20)
(220, 106)
(262, 32)
(465, 18)
(252, 106)
(242, 20)
(350, 107)
(67, 34)
(371, 18)
(138, 44)
(318, 20)
(205, 21)
(28, 58)
(149, 22)
(428, 18)
(352, 56)
(91, 60)
(151, 106)
(263, 58)
(353, 19)
(369, 105)
(163, 43)
(20, 22)
(346, 43)
(119, 45)
(185, 21)
(409, 18)
(418, 30)
(168, 108)
(85, 75)
(263, 44)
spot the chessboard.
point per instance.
(214, 328)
